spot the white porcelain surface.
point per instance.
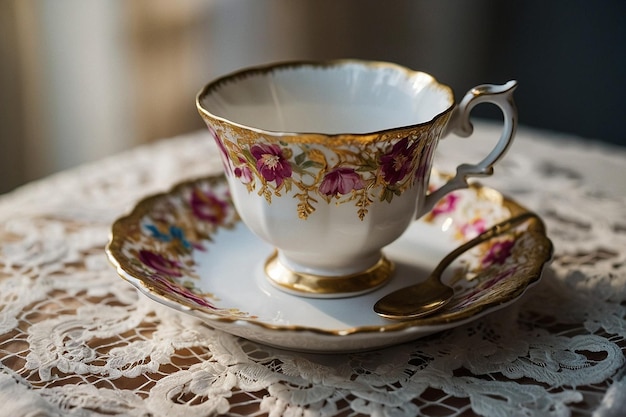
(221, 279)
(329, 161)
(353, 98)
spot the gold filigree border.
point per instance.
(312, 137)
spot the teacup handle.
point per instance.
(501, 96)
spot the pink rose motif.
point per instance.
(183, 292)
(207, 207)
(473, 228)
(396, 164)
(243, 172)
(445, 205)
(160, 263)
(498, 253)
(271, 163)
(341, 181)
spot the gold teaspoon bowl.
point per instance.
(426, 297)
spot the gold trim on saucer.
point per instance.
(131, 233)
(319, 286)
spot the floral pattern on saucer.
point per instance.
(158, 245)
(163, 244)
(495, 268)
(466, 214)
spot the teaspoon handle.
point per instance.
(496, 230)
(428, 296)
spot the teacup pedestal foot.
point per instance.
(323, 286)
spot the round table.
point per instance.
(77, 340)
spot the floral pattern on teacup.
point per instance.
(375, 170)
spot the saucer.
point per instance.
(188, 250)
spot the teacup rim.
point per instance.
(272, 66)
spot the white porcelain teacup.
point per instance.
(330, 161)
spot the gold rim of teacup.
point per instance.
(314, 137)
(313, 285)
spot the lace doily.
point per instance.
(76, 340)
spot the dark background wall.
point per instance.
(568, 56)
(80, 80)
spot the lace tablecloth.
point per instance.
(76, 340)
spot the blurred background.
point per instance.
(83, 79)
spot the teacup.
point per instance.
(329, 162)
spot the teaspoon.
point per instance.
(426, 297)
